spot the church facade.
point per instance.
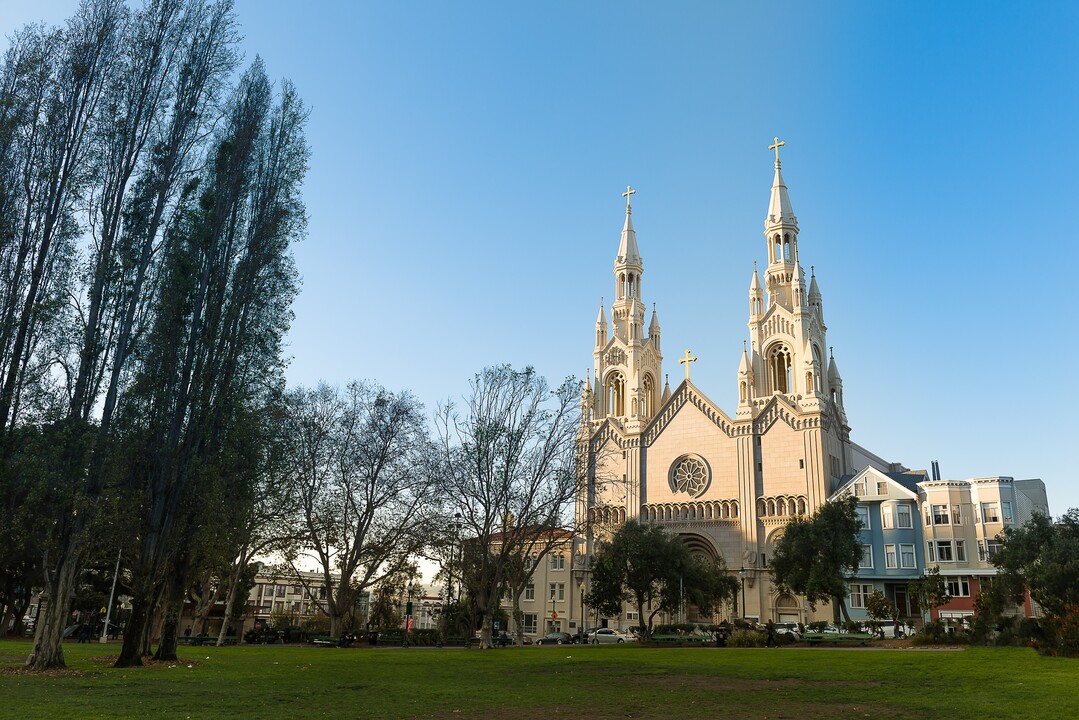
(727, 483)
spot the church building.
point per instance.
(727, 483)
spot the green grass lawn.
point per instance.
(607, 681)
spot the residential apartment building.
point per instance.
(891, 537)
(962, 520)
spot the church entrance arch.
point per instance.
(701, 548)
(787, 609)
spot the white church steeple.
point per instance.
(627, 363)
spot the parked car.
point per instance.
(904, 630)
(789, 628)
(609, 635)
(556, 638)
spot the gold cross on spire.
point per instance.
(686, 361)
(629, 191)
(775, 146)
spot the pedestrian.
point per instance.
(771, 628)
(187, 632)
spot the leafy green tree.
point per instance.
(930, 590)
(817, 556)
(1042, 556)
(653, 569)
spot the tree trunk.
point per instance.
(230, 602)
(487, 629)
(48, 650)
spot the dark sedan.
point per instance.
(556, 638)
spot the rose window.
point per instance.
(689, 475)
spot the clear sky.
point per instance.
(468, 160)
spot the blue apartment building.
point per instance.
(893, 553)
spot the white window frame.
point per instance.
(529, 623)
(904, 549)
(891, 560)
(866, 562)
(992, 547)
(1006, 512)
(530, 592)
(945, 547)
(561, 591)
(961, 585)
(939, 511)
(882, 487)
(930, 551)
(899, 511)
(858, 594)
(862, 512)
(957, 513)
(990, 513)
(886, 517)
(960, 550)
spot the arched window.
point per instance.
(648, 397)
(779, 369)
(742, 392)
(616, 394)
(771, 507)
(801, 506)
(762, 508)
(781, 507)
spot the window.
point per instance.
(859, 488)
(957, 514)
(886, 517)
(554, 590)
(558, 562)
(633, 615)
(981, 551)
(882, 487)
(297, 589)
(530, 591)
(944, 551)
(889, 556)
(858, 594)
(863, 516)
(930, 551)
(940, 514)
(867, 557)
(558, 591)
(992, 547)
(1006, 508)
(903, 518)
(906, 556)
(281, 590)
(529, 624)
(960, 550)
(959, 587)
(989, 513)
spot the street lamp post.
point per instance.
(460, 557)
(742, 577)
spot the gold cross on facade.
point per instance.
(686, 361)
(629, 191)
(775, 146)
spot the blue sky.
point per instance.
(468, 160)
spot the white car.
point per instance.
(609, 635)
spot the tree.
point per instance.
(508, 462)
(654, 570)
(214, 352)
(366, 502)
(1042, 556)
(817, 556)
(879, 607)
(930, 590)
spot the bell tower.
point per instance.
(627, 362)
(787, 332)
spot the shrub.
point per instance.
(852, 626)
(818, 626)
(746, 639)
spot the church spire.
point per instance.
(627, 249)
(780, 210)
